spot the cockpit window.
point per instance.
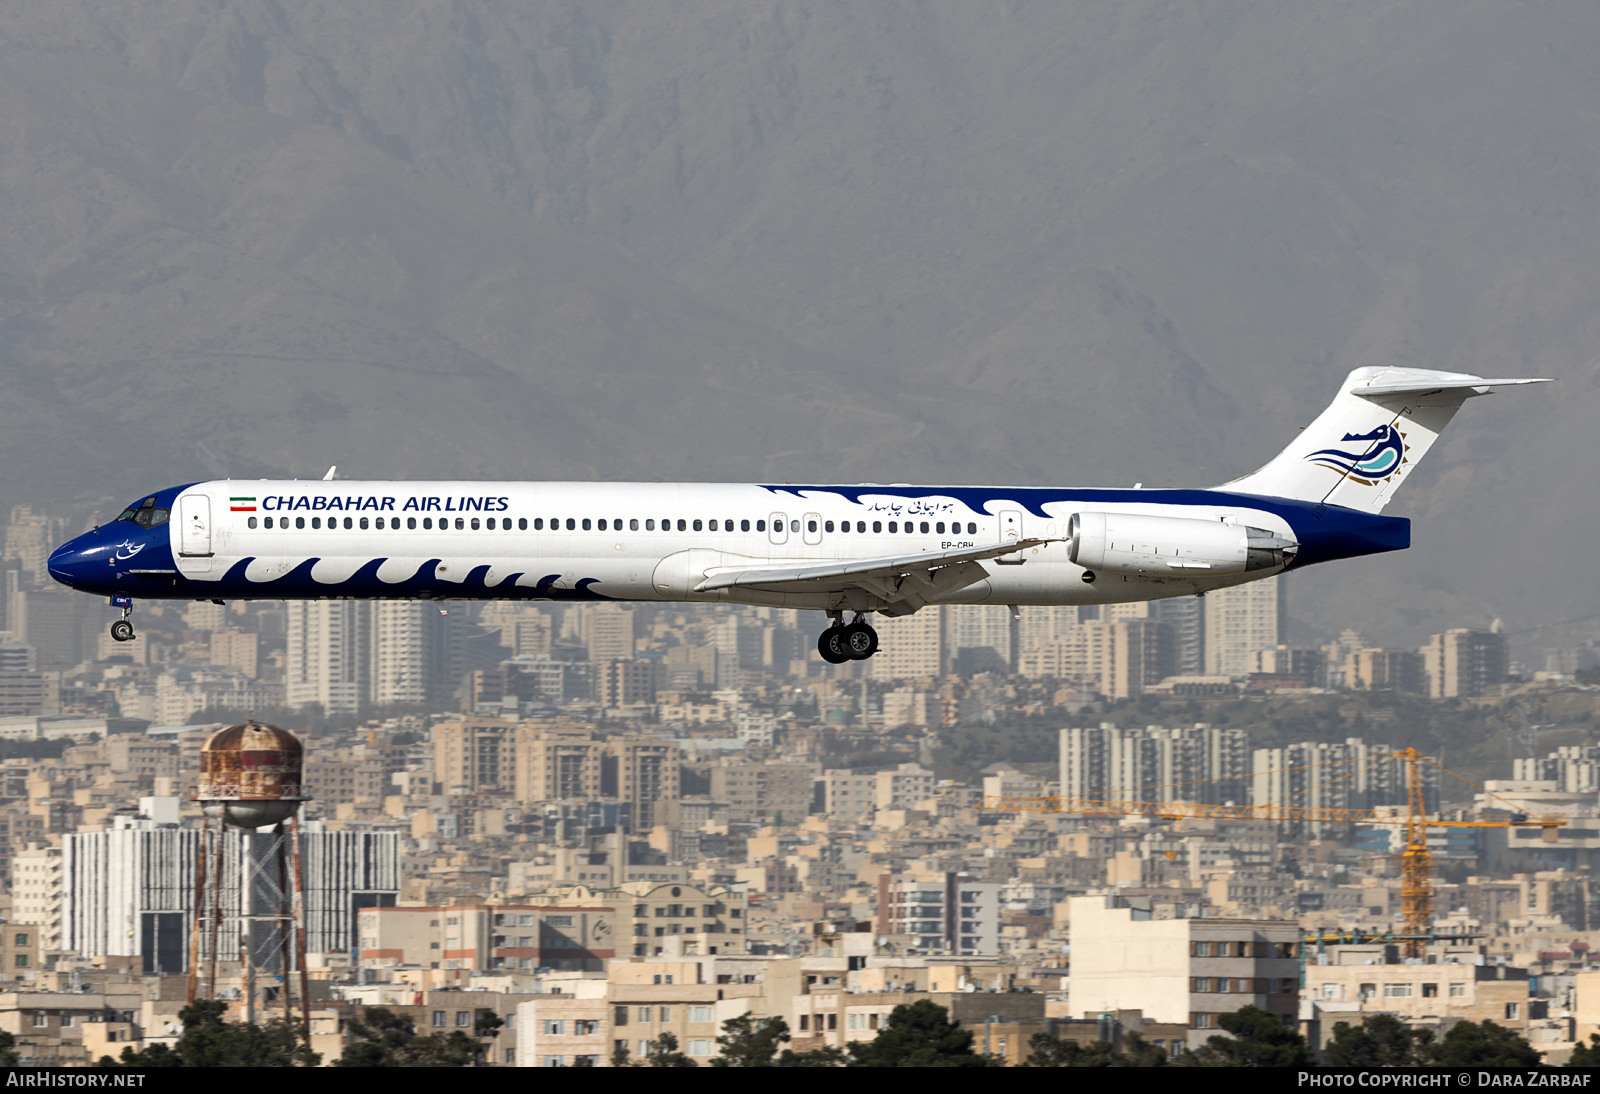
(145, 514)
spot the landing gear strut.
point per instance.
(842, 642)
(122, 629)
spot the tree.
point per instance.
(748, 1041)
(1135, 1051)
(664, 1053)
(209, 1041)
(1481, 1044)
(826, 1056)
(8, 1050)
(383, 1038)
(1381, 1040)
(918, 1034)
(1586, 1055)
(1260, 1039)
(619, 1056)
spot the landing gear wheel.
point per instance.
(831, 645)
(861, 641)
(122, 631)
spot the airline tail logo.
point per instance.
(1377, 462)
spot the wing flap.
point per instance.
(859, 573)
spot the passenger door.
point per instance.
(194, 526)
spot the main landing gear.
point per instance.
(842, 642)
(122, 629)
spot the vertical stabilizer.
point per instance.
(1377, 429)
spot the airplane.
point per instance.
(856, 550)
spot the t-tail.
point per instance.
(1367, 442)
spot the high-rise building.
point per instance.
(346, 654)
(129, 892)
(980, 638)
(952, 914)
(1330, 775)
(627, 682)
(609, 632)
(555, 764)
(912, 646)
(62, 626)
(1199, 763)
(1464, 663)
(474, 754)
(643, 771)
(329, 654)
(30, 537)
(1386, 670)
(1186, 616)
(1238, 620)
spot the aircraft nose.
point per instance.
(67, 563)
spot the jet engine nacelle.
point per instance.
(1123, 543)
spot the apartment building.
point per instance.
(1180, 970)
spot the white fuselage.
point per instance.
(642, 541)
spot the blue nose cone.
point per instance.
(70, 563)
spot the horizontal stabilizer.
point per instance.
(1476, 387)
(1368, 441)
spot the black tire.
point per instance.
(830, 644)
(861, 641)
(122, 631)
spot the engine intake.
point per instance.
(1124, 543)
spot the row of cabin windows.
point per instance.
(573, 524)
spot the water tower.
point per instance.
(251, 779)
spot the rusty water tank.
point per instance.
(250, 775)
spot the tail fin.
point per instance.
(1379, 426)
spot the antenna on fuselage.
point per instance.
(329, 476)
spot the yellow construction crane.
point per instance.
(1416, 861)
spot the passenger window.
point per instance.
(411, 522)
(682, 527)
(744, 526)
(268, 522)
(538, 524)
(877, 526)
(827, 526)
(522, 523)
(585, 524)
(602, 525)
(427, 523)
(761, 526)
(379, 522)
(712, 525)
(861, 526)
(811, 526)
(364, 521)
(972, 529)
(649, 524)
(299, 522)
(490, 524)
(316, 522)
(939, 527)
(250, 522)
(571, 524)
(893, 526)
(727, 526)
(794, 526)
(924, 527)
(633, 524)
(474, 523)
(696, 525)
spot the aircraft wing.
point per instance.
(915, 579)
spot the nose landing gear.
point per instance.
(856, 641)
(122, 629)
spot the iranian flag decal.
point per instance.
(242, 505)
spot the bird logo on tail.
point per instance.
(1378, 462)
